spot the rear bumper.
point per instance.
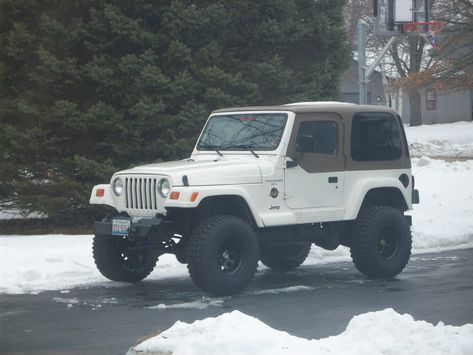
(140, 229)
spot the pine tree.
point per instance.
(90, 87)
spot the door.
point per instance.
(316, 146)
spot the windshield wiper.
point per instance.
(245, 146)
(211, 147)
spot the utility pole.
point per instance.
(362, 79)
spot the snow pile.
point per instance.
(441, 140)
(383, 332)
(444, 218)
(34, 263)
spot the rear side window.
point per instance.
(323, 136)
(375, 136)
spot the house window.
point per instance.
(431, 99)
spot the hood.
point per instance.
(222, 171)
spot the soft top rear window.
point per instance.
(375, 136)
(253, 131)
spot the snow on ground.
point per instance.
(203, 303)
(442, 221)
(444, 218)
(382, 332)
(30, 264)
(441, 140)
(8, 211)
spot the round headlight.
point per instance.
(164, 187)
(117, 186)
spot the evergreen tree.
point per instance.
(89, 87)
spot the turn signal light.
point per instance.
(194, 196)
(100, 192)
(174, 195)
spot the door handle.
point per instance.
(332, 179)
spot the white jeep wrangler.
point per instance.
(264, 183)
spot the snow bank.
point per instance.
(441, 140)
(48, 262)
(444, 218)
(383, 332)
(30, 264)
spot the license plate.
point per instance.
(120, 226)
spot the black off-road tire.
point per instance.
(117, 263)
(284, 257)
(382, 242)
(222, 255)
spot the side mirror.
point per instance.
(305, 144)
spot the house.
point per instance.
(441, 106)
(436, 106)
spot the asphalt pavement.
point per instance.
(311, 302)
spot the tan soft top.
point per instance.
(342, 108)
(345, 112)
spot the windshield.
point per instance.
(261, 131)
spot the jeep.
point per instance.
(264, 184)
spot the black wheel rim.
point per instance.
(388, 242)
(230, 256)
(132, 258)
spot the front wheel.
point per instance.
(120, 259)
(222, 255)
(381, 242)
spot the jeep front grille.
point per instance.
(140, 193)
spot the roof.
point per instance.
(308, 107)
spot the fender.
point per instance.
(106, 199)
(356, 198)
(251, 194)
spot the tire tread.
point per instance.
(196, 255)
(360, 250)
(106, 261)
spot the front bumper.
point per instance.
(143, 228)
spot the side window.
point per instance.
(319, 137)
(375, 136)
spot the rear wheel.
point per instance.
(222, 255)
(120, 259)
(284, 257)
(381, 244)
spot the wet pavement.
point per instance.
(312, 302)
